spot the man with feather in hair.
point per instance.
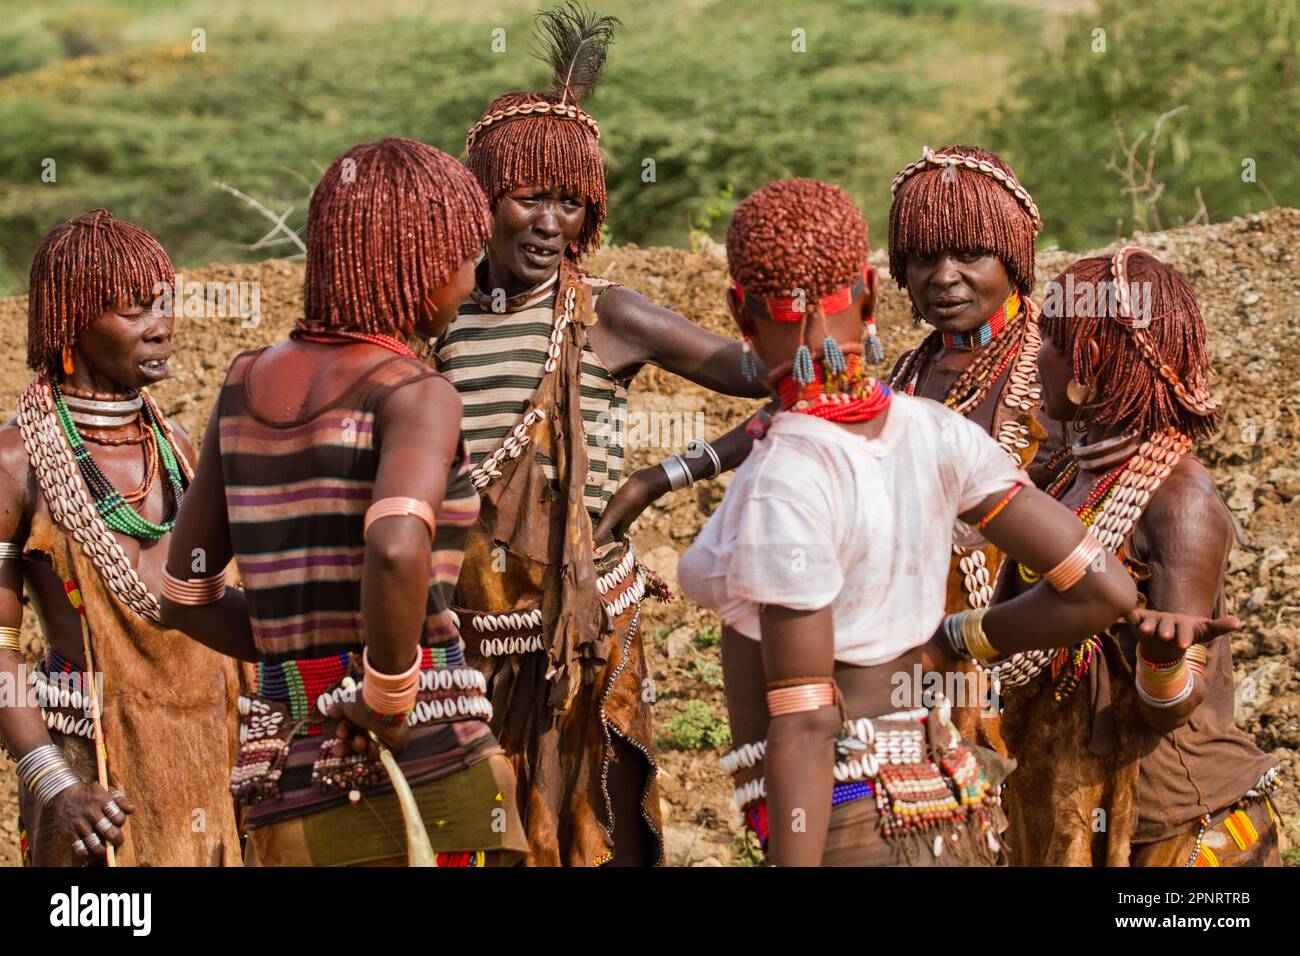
(549, 596)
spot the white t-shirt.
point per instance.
(819, 516)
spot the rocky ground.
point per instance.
(1247, 275)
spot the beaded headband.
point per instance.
(930, 158)
(533, 108)
(783, 309)
(1196, 398)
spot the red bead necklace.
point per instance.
(851, 397)
(344, 337)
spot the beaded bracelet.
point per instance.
(194, 592)
(997, 508)
(1165, 687)
(390, 719)
(9, 639)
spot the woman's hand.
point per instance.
(1164, 635)
(87, 809)
(355, 722)
(642, 489)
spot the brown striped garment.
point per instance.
(297, 493)
(496, 361)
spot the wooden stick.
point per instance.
(419, 851)
(101, 753)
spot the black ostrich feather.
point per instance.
(574, 41)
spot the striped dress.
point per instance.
(297, 493)
(496, 361)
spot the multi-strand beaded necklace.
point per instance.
(848, 395)
(1110, 512)
(112, 506)
(998, 351)
(67, 494)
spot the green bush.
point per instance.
(694, 728)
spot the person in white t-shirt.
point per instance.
(827, 561)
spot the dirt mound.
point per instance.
(1248, 279)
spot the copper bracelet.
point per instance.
(1071, 570)
(194, 592)
(800, 698)
(399, 507)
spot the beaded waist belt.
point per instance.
(913, 762)
(519, 630)
(293, 702)
(63, 694)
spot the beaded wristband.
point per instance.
(9, 639)
(194, 592)
(1071, 570)
(800, 698)
(997, 508)
(1163, 688)
(390, 719)
(391, 693)
(1160, 665)
(399, 507)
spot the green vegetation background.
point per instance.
(711, 90)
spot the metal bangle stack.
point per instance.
(679, 473)
(45, 772)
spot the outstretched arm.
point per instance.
(1040, 532)
(633, 331)
(647, 485)
(1188, 535)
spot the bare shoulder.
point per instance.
(1187, 510)
(429, 399)
(13, 455)
(15, 468)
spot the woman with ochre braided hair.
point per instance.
(549, 599)
(1142, 733)
(334, 474)
(961, 243)
(91, 477)
(827, 560)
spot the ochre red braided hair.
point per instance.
(953, 207)
(796, 234)
(82, 268)
(389, 222)
(1131, 394)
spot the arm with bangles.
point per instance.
(419, 439)
(1086, 589)
(647, 485)
(798, 648)
(1186, 534)
(197, 554)
(77, 807)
